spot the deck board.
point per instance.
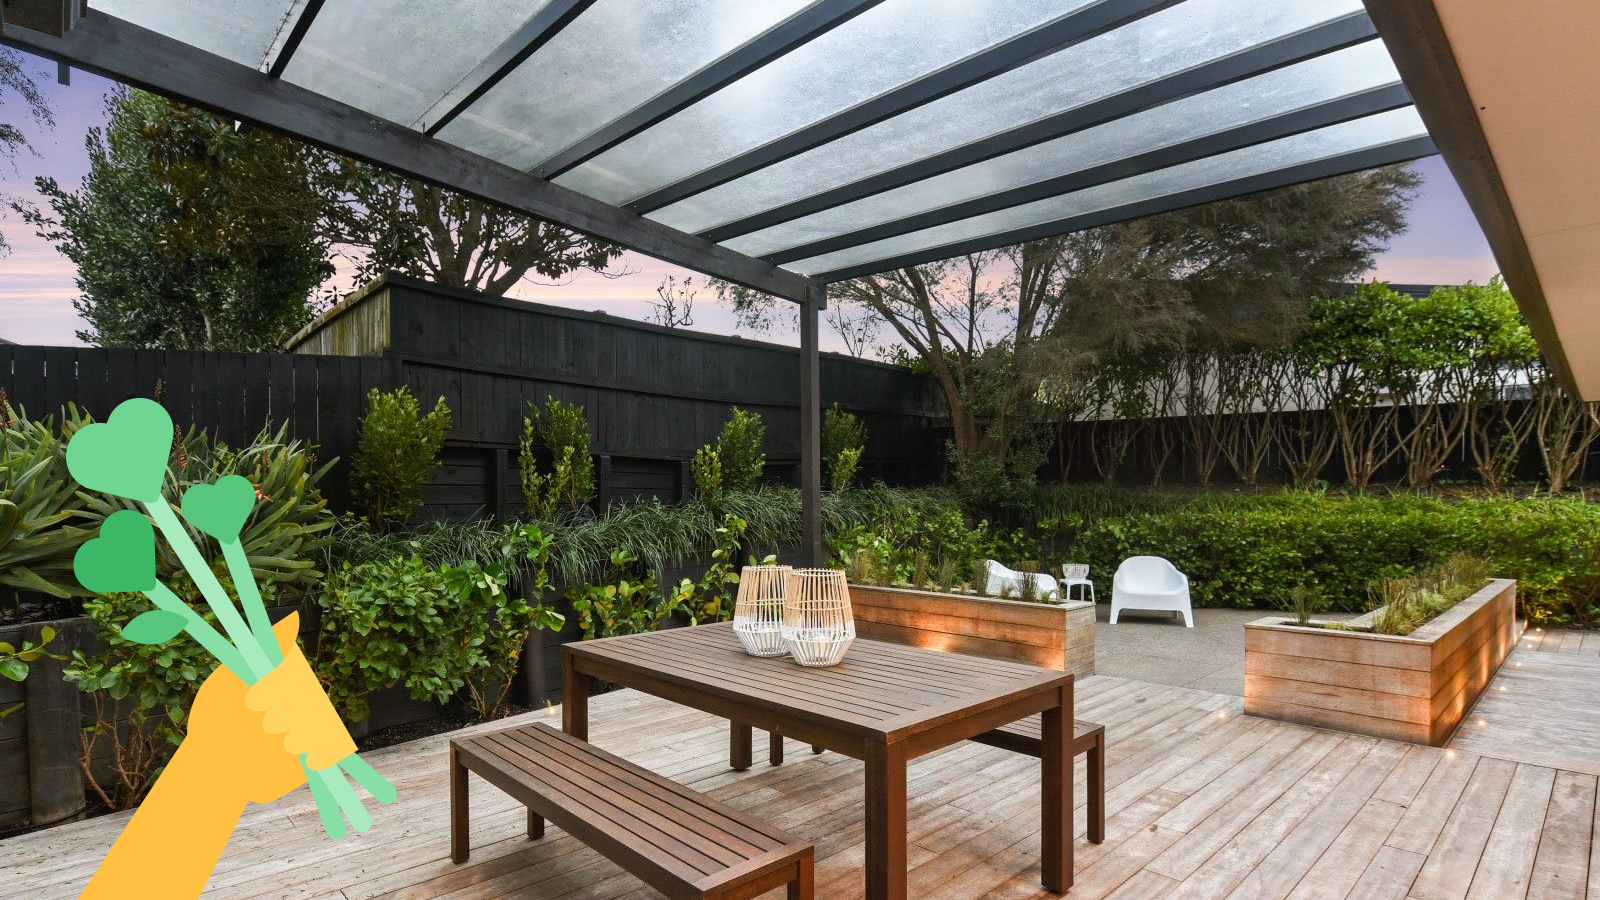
(1540, 710)
(1205, 804)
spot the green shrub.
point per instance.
(1253, 551)
(624, 601)
(395, 450)
(710, 599)
(706, 467)
(151, 686)
(39, 503)
(392, 623)
(844, 440)
(739, 451)
(554, 459)
(498, 622)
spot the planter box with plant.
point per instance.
(1049, 634)
(1409, 670)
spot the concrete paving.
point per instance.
(1156, 647)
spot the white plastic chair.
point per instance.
(1075, 575)
(998, 578)
(1150, 582)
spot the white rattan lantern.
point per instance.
(818, 625)
(758, 609)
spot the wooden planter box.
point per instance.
(1054, 635)
(1416, 688)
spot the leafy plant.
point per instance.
(1304, 601)
(1410, 602)
(393, 623)
(14, 661)
(506, 619)
(844, 440)
(706, 468)
(625, 602)
(739, 451)
(553, 460)
(150, 686)
(395, 450)
(38, 503)
(709, 600)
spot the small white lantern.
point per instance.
(818, 624)
(758, 609)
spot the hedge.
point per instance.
(1251, 551)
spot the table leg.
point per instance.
(1055, 803)
(574, 700)
(741, 739)
(886, 821)
(775, 748)
(459, 842)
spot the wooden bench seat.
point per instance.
(679, 842)
(1026, 736)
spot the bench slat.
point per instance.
(607, 807)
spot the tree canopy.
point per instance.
(1018, 338)
(171, 247)
(17, 84)
(192, 232)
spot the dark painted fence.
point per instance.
(653, 395)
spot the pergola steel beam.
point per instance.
(1310, 118)
(1288, 50)
(808, 24)
(512, 52)
(297, 33)
(1063, 32)
(1422, 52)
(137, 56)
(1355, 161)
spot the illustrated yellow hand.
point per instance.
(258, 753)
(241, 746)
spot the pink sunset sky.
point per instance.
(1442, 244)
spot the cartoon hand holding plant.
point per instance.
(263, 688)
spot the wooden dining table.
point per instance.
(886, 705)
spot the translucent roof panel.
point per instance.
(857, 61)
(1364, 67)
(1326, 143)
(240, 30)
(356, 50)
(613, 57)
(1159, 45)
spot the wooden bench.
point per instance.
(1019, 737)
(679, 842)
(1087, 738)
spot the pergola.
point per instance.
(788, 144)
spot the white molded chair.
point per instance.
(1150, 582)
(1075, 575)
(997, 578)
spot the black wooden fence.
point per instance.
(653, 395)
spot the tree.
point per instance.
(17, 84)
(1066, 327)
(405, 225)
(187, 232)
(676, 302)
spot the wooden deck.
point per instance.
(1541, 708)
(1203, 802)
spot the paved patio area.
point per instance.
(1204, 804)
(1155, 647)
